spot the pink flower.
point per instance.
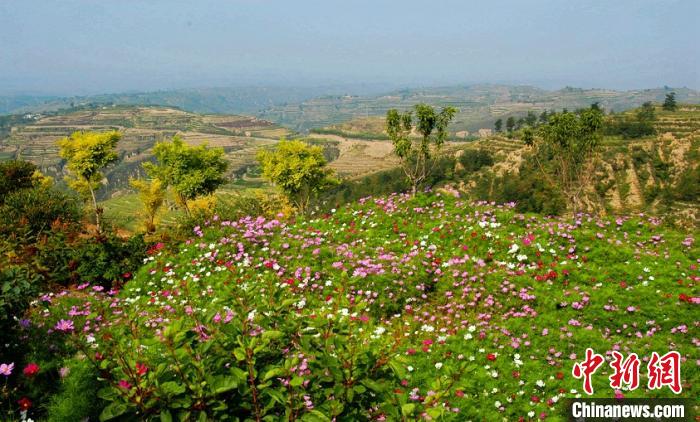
(6, 369)
(124, 384)
(64, 325)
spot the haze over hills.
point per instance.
(302, 109)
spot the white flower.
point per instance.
(531, 414)
(513, 248)
(471, 328)
(497, 404)
(410, 368)
(438, 365)
(539, 383)
(379, 331)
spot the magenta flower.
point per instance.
(6, 369)
(64, 325)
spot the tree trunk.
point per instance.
(97, 211)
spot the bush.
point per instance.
(473, 160)
(36, 210)
(107, 259)
(15, 175)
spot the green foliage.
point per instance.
(107, 259)
(76, 398)
(565, 152)
(639, 125)
(688, 186)
(87, 153)
(35, 210)
(418, 157)
(189, 171)
(297, 169)
(510, 124)
(498, 125)
(15, 175)
(670, 102)
(475, 159)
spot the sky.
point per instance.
(81, 47)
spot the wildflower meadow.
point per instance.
(393, 308)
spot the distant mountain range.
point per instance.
(302, 109)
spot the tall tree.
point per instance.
(87, 153)
(566, 149)
(190, 171)
(418, 155)
(298, 169)
(498, 125)
(670, 102)
(510, 124)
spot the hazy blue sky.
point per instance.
(93, 46)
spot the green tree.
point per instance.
(498, 125)
(646, 114)
(528, 136)
(510, 124)
(190, 171)
(418, 155)
(152, 195)
(531, 119)
(566, 149)
(670, 102)
(298, 169)
(87, 153)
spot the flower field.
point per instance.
(394, 308)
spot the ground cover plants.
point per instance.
(392, 308)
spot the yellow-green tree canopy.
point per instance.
(191, 171)
(152, 195)
(298, 169)
(86, 154)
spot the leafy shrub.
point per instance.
(688, 185)
(35, 210)
(473, 160)
(107, 259)
(15, 175)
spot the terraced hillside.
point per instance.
(34, 137)
(640, 175)
(479, 105)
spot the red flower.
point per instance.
(411, 351)
(560, 375)
(24, 403)
(459, 393)
(141, 369)
(491, 357)
(124, 384)
(31, 369)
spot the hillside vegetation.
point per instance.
(394, 308)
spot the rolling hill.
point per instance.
(33, 136)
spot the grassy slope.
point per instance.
(442, 270)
